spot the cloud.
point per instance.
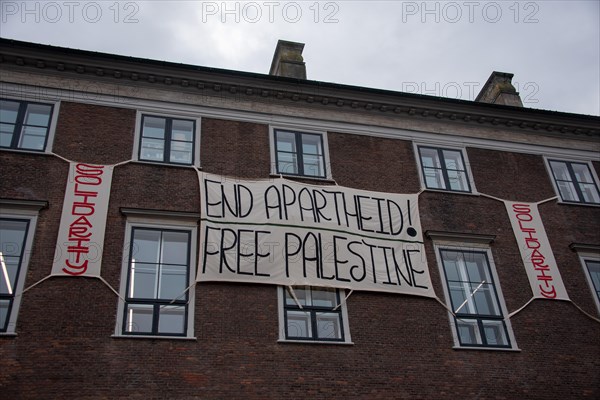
(435, 48)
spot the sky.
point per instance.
(438, 48)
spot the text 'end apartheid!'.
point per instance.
(287, 233)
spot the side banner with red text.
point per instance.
(83, 221)
(542, 271)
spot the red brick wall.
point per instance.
(402, 344)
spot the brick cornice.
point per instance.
(237, 85)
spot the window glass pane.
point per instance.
(9, 267)
(429, 157)
(287, 163)
(9, 111)
(175, 247)
(328, 326)
(139, 318)
(560, 170)
(582, 173)
(476, 266)
(298, 324)
(313, 165)
(324, 297)
(453, 160)
(146, 245)
(434, 179)
(484, 297)
(451, 268)
(567, 191)
(458, 180)
(594, 270)
(4, 307)
(286, 141)
(33, 138)
(182, 130)
(154, 127)
(171, 320)
(152, 149)
(173, 282)
(311, 144)
(468, 332)
(461, 298)
(34, 131)
(181, 157)
(143, 280)
(38, 114)
(181, 152)
(590, 193)
(495, 334)
(301, 294)
(6, 134)
(12, 237)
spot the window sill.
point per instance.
(572, 203)
(302, 177)
(450, 192)
(314, 342)
(8, 334)
(161, 164)
(516, 350)
(24, 151)
(153, 337)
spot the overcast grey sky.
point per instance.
(440, 48)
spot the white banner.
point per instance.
(83, 221)
(282, 232)
(542, 271)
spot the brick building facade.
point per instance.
(74, 337)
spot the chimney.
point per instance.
(288, 61)
(499, 90)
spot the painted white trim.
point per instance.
(20, 90)
(345, 322)
(440, 144)
(53, 120)
(52, 128)
(294, 128)
(158, 223)
(588, 256)
(32, 216)
(555, 186)
(138, 132)
(468, 246)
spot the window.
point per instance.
(590, 260)
(167, 140)
(300, 153)
(158, 269)
(473, 293)
(13, 233)
(18, 220)
(575, 181)
(313, 314)
(444, 169)
(593, 270)
(24, 125)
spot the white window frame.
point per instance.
(281, 313)
(555, 186)
(29, 211)
(51, 128)
(139, 220)
(444, 146)
(478, 247)
(295, 129)
(590, 256)
(138, 132)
